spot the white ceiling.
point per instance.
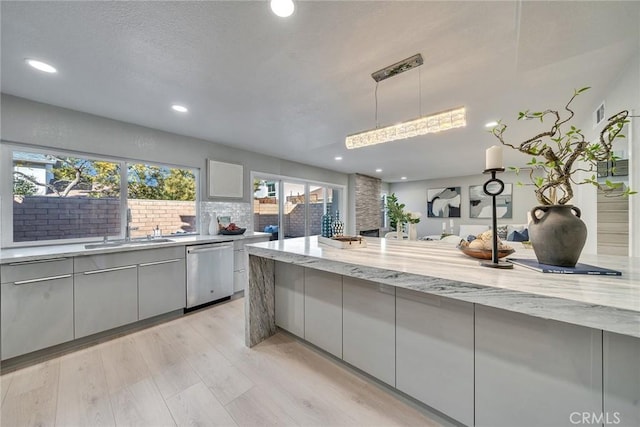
(295, 87)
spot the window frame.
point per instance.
(6, 190)
(281, 179)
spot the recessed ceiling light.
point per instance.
(179, 108)
(378, 170)
(404, 177)
(338, 157)
(491, 124)
(42, 66)
(282, 8)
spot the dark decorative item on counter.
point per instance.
(232, 229)
(558, 234)
(338, 226)
(327, 221)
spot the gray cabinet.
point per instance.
(105, 298)
(621, 358)
(323, 310)
(37, 305)
(534, 372)
(161, 287)
(289, 297)
(369, 327)
(434, 352)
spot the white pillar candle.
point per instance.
(494, 157)
(444, 227)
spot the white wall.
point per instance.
(414, 196)
(45, 125)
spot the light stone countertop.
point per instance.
(34, 253)
(610, 303)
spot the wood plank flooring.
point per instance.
(195, 370)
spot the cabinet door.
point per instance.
(105, 299)
(289, 297)
(36, 313)
(535, 372)
(434, 352)
(323, 310)
(161, 287)
(621, 380)
(369, 327)
(240, 280)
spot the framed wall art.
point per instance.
(443, 202)
(480, 203)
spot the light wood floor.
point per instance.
(196, 371)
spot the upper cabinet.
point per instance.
(224, 180)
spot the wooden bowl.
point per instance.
(485, 253)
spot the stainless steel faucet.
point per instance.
(129, 228)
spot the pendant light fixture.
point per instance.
(432, 123)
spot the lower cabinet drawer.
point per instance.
(36, 315)
(105, 299)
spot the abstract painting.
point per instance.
(480, 203)
(443, 202)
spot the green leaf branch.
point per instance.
(563, 150)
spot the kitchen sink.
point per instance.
(122, 242)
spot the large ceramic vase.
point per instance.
(557, 234)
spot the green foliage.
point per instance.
(554, 164)
(158, 183)
(395, 211)
(23, 187)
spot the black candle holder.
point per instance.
(494, 187)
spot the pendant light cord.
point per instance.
(419, 93)
(376, 96)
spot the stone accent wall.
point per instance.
(368, 190)
(52, 218)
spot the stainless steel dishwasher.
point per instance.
(209, 273)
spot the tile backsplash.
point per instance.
(239, 212)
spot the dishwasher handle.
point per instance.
(208, 248)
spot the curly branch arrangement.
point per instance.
(556, 151)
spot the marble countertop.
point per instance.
(33, 253)
(611, 303)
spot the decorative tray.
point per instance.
(232, 233)
(485, 253)
(343, 242)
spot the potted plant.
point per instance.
(395, 211)
(560, 156)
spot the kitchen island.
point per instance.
(483, 346)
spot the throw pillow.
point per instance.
(502, 232)
(519, 236)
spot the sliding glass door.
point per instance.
(289, 208)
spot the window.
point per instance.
(161, 197)
(56, 197)
(61, 197)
